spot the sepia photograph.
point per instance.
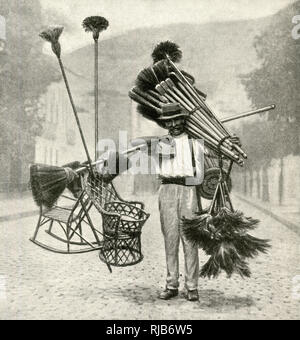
(149, 162)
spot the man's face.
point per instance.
(175, 126)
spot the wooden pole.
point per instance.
(96, 98)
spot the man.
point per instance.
(181, 169)
(177, 199)
(180, 162)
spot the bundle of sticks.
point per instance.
(164, 83)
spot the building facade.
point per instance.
(60, 142)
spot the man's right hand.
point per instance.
(147, 143)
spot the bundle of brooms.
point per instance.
(164, 83)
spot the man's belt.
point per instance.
(175, 180)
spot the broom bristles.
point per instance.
(224, 238)
(249, 246)
(47, 184)
(95, 24)
(161, 70)
(167, 47)
(196, 231)
(75, 186)
(224, 257)
(149, 77)
(147, 112)
(235, 220)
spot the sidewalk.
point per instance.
(286, 215)
(42, 285)
(23, 206)
(17, 207)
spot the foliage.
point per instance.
(25, 74)
(277, 80)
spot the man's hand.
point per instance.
(114, 163)
(71, 174)
(147, 143)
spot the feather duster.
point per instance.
(151, 76)
(225, 239)
(95, 24)
(52, 35)
(169, 48)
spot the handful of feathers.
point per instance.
(224, 237)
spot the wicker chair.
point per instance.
(122, 223)
(66, 222)
(70, 222)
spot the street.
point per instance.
(36, 284)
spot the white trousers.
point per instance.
(175, 202)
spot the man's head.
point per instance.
(175, 126)
(173, 118)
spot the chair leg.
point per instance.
(80, 232)
(107, 264)
(50, 227)
(68, 237)
(37, 228)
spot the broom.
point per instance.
(49, 182)
(175, 54)
(96, 25)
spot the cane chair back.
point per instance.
(122, 223)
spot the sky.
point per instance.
(125, 15)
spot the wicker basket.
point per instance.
(122, 223)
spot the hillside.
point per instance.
(216, 54)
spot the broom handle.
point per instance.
(143, 101)
(127, 152)
(189, 106)
(192, 90)
(96, 97)
(248, 114)
(74, 110)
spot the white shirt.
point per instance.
(188, 151)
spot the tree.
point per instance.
(277, 80)
(25, 74)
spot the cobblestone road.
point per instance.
(35, 284)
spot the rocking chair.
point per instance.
(70, 217)
(71, 223)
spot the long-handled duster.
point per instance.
(52, 35)
(96, 25)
